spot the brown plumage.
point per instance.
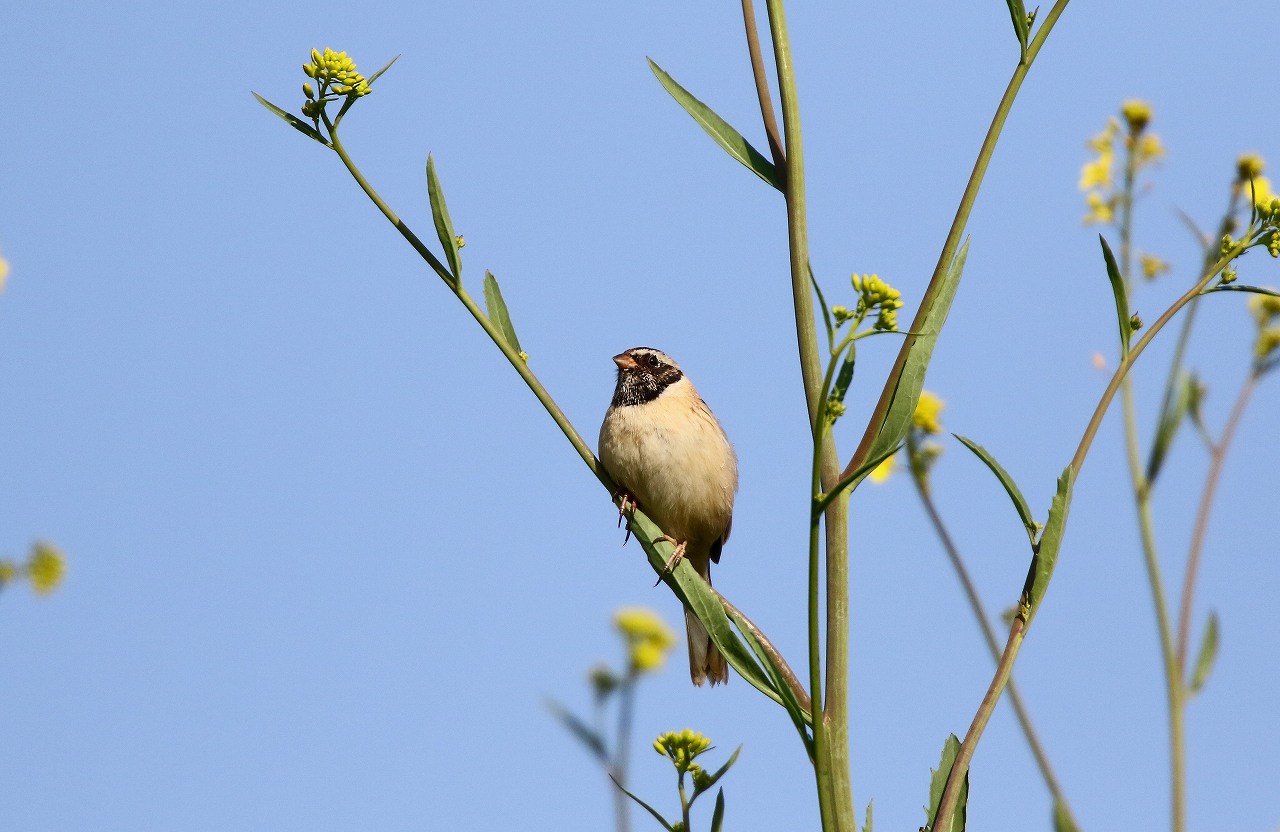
(663, 447)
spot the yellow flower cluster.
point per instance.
(1096, 177)
(1266, 312)
(336, 72)
(876, 295)
(928, 409)
(1152, 266)
(648, 637)
(681, 747)
(44, 568)
(1250, 183)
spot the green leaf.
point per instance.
(720, 772)
(375, 76)
(579, 729)
(1232, 287)
(938, 783)
(800, 717)
(497, 309)
(1019, 14)
(1046, 550)
(844, 376)
(719, 130)
(1062, 819)
(910, 381)
(860, 473)
(1122, 298)
(1177, 407)
(822, 303)
(690, 588)
(717, 816)
(644, 805)
(444, 226)
(867, 826)
(1207, 655)
(1019, 502)
(293, 121)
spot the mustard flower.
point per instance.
(881, 472)
(1152, 266)
(876, 295)
(928, 408)
(681, 747)
(1101, 211)
(648, 637)
(45, 568)
(1137, 114)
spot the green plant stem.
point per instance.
(830, 723)
(988, 705)
(954, 235)
(521, 366)
(621, 748)
(1174, 689)
(762, 86)
(1217, 458)
(921, 481)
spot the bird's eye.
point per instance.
(652, 361)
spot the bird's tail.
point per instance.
(705, 661)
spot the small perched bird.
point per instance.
(663, 447)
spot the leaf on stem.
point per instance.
(497, 309)
(1062, 819)
(1206, 657)
(799, 716)
(717, 816)
(1122, 298)
(293, 121)
(690, 588)
(1046, 550)
(910, 381)
(719, 129)
(1010, 487)
(844, 376)
(1177, 407)
(938, 783)
(866, 827)
(720, 772)
(1020, 27)
(579, 729)
(375, 76)
(444, 225)
(822, 303)
(659, 818)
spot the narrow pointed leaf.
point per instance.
(1046, 551)
(822, 303)
(587, 736)
(1122, 298)
(1206, 657)
(375, 76)
(1010, 487)
(659, 818)
(938, 783)
(717, 816)
(910, 381)
(444, 225)
(696, 594)
(860, 473)
(497, 309)
(720, 772)
(719, 129)
(1062, 819)
(1019, 14)
(293, 121)
(1177, 407)
(1231, 287)
(866, 827)
(844, 376)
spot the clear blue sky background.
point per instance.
(326, 553)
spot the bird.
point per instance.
(669, 456)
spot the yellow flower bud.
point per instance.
(1137, 114)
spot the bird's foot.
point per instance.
(676, 556)
(626, 505)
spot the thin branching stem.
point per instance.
(762, 87)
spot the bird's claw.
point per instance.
(626, 506)
(674, 560)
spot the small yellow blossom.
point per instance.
(45, 568)
(336, 73)
(1149, 149)
(681, 747)
(1104, 142)
(1152, 266)
(928, 409)
(1137, 114)
(8, 570)
(647, 635)
(1096, 173)
(876, 295)
(1260, 189)
(4, 271)
(1248, 166)
(881, 472)
(1101, 211)
(1266, 310)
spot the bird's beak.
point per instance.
(625, 361)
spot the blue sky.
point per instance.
(326, 554)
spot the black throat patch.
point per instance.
(644, 382)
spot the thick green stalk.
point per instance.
(831, 723)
